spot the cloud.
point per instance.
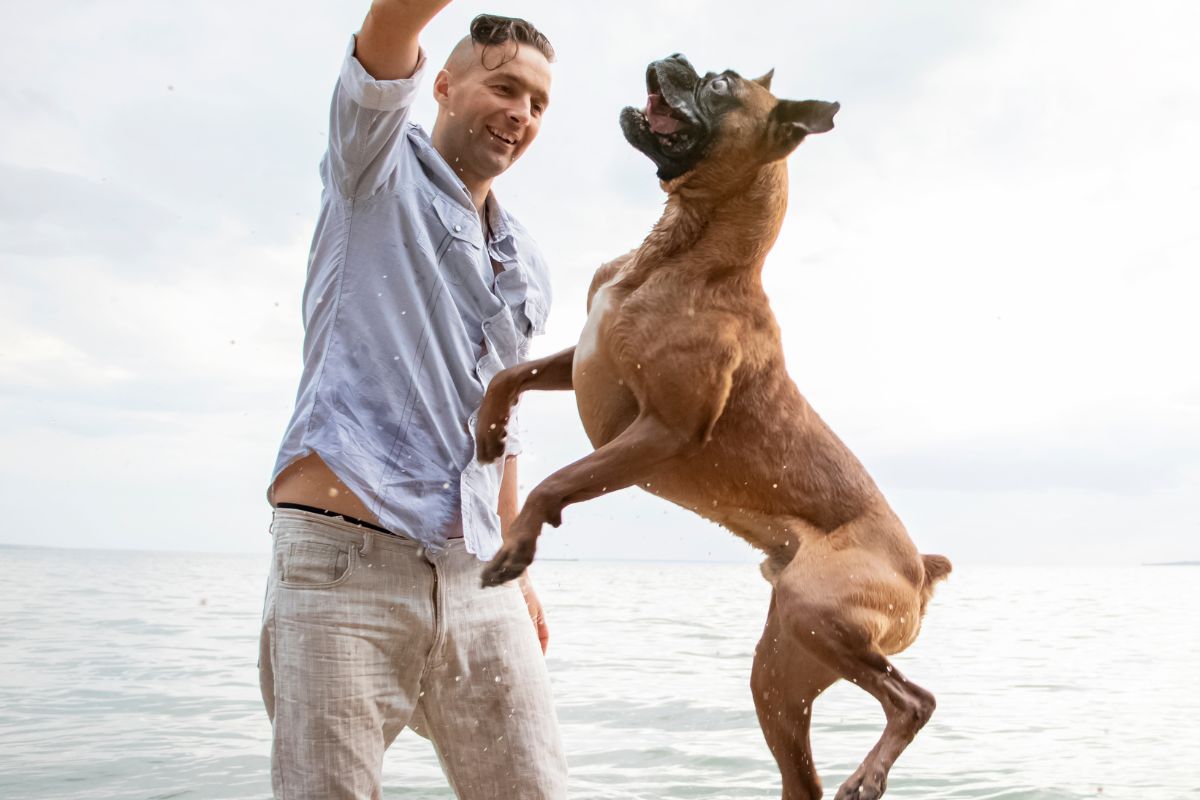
(984, 280)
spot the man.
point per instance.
(420, 288)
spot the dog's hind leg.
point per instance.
(839, 636)
(907, 707)
(785, 680)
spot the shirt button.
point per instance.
(457, 228)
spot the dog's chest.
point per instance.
(606, 404)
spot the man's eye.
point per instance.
(502, 88)
(538, 108)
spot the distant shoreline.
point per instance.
(143, 551)
(567, 559)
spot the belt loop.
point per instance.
(368, 540)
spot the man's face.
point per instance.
(490, 117)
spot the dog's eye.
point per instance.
(720, 86)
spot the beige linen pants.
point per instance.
(364, 633)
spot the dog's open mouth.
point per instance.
(663, 119)
(670, 125)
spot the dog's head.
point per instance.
(690, 120)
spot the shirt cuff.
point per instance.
(512, 441)
(380, 95)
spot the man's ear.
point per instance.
(765, 80)
(441, 88)
(791, 120)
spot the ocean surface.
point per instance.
(132, 675)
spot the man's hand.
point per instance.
(387, 44)
(536, 613)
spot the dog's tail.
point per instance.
(936, 568)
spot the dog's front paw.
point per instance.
(508, 563)
(490, 439)
(491, 427)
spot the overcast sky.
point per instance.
(987, 280)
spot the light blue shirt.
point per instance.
(406, 322)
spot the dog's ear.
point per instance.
(791, 120)
(765, 80)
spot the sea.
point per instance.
(132, 675)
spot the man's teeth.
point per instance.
(501, 136)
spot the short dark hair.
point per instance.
(490, 30)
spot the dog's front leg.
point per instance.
(624, 461)
(546, 374)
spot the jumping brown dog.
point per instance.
(681, 385)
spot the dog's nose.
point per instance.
(682, 60)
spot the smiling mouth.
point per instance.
(508, 138)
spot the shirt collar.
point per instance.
(501, 242)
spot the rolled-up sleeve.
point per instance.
(366, 121)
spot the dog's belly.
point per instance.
(606, 405)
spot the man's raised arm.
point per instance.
(387, 44)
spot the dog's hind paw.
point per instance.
(864, 784)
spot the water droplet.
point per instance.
(492, 427)
(533, 372)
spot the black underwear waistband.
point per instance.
(362, 523)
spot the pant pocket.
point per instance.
(314, 564)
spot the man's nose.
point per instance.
(519, 113)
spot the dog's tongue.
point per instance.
(658, 114)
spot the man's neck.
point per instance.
(477, 187)
(479, 195)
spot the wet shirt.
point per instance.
(406, 320)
